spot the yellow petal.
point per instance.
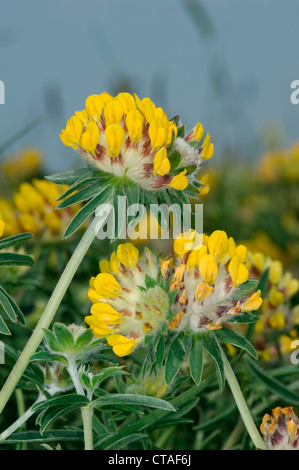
(127, 101)
(158, 132)
(122, 346)
(105, 266)
(208, 269)
(128, 255)
(134, 123)
(253, 303)
(114, 137)
(95, 104)
(161, 162)
(90, 138)
(197, 132)
(238, 272)
(106, 285)
(195, 256)
(114, 263)
(180, 181)
(218, 244)
(113, 112)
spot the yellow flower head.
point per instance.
(22, 166)
(207, 274)
(33, 210)
(124, 308)
(134, 139)
(276, 312)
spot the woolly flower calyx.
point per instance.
(281, 430)
(211, 281)
(131, 138)
(128, 304)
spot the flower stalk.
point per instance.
(87, 413)
(241, 404)
(48, 314)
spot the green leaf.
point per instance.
(174, 359)
(63, 337)
(272, 384)
(86, 211)
(16, 308)
(160, 350)
(212, 347)
(32, 374)
(149, 281)
(68, 177)
(244, 289)
(232, 337)
(47, 416)
(131, 191)
(150, 419)
(14, 259)
(149, 198)
(181, 132)
(84, 339)
(15, 240)
(175, 159)
(214, 422)
(83, 181)
(122, 442)
(196, 358)
(65, 400)
(245, 317)
(87, 192)
(172, 296)
(112, 371)
(48, 436)
(190, 169)
(51, 340)
(130, 399)
(3, 328)
(42, 356)
(8, 308)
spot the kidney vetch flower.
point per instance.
(127, 306)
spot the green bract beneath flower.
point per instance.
(72, 342)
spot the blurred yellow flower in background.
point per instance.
(33, 210)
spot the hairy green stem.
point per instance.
(87, 413)
(48, 314)
(241, 404)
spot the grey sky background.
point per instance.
(226, 63)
